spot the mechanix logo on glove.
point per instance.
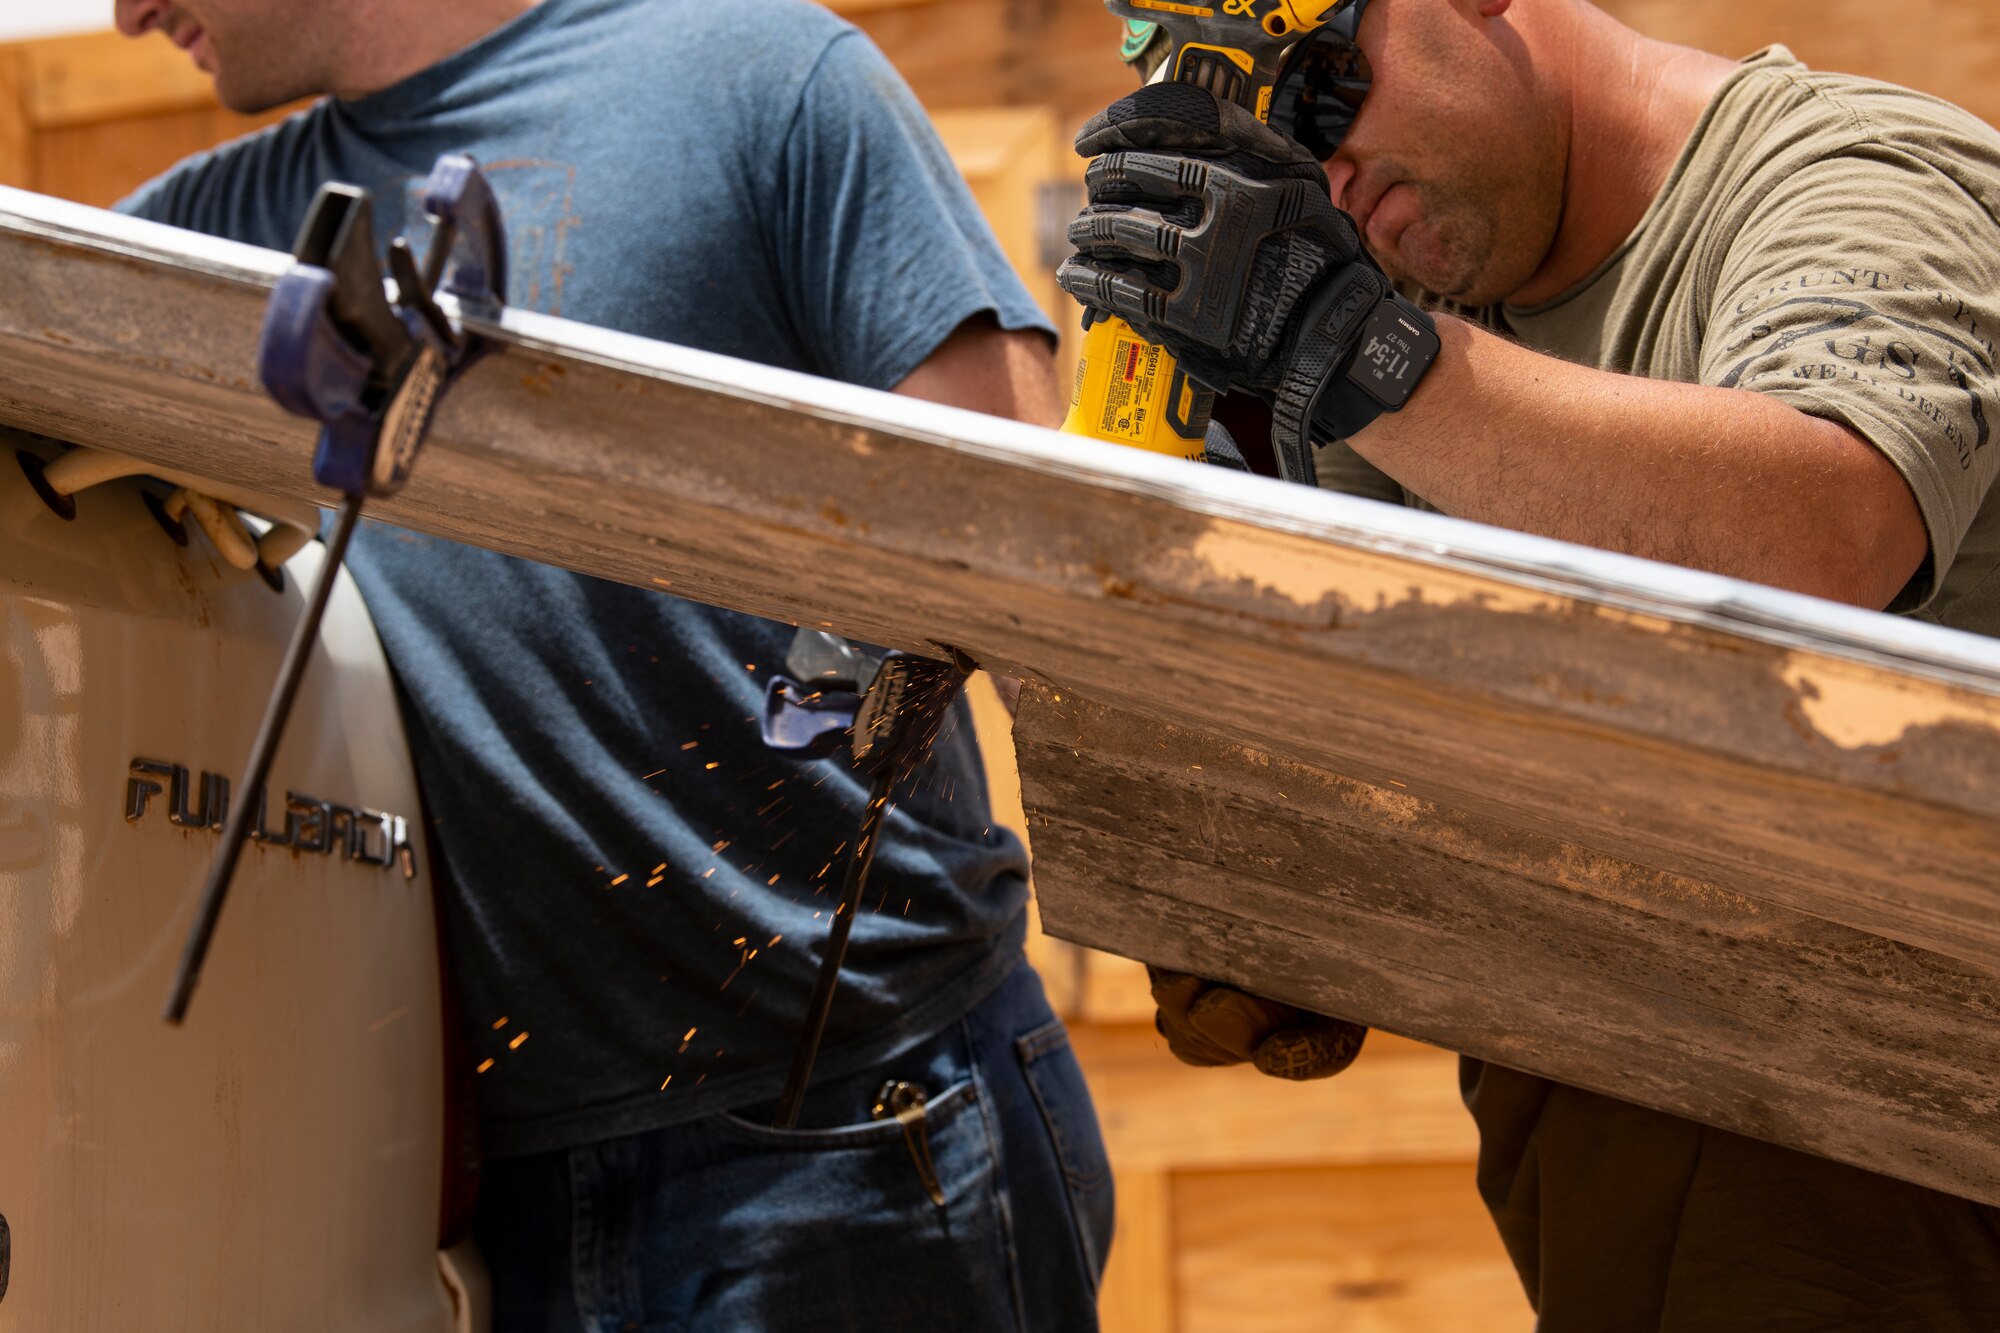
(1217, 237)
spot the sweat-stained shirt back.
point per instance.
(1833, 242)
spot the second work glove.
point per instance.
(1208, 1023)
(1216, 237)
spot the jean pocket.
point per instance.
(939, 1113)
(1056, 1079)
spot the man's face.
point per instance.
(261, 53)
(1454, 167)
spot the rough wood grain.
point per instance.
(1557, 705)
(1369, 903)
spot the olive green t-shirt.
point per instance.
(1833, 242)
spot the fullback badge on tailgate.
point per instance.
(310, 826)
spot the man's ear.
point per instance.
(1493, 9)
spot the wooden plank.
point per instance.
(1686, 740)
(17, 144)
(1398, 1103)
(91, 116)
(1375, 905)
(1137, 1292)
(1356, 1250)
(88, 78)
(1829, 760)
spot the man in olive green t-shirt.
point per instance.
(1737, 316)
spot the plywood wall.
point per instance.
(92, 115)
(1063, 53)
(1950, 48)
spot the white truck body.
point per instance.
(275, 1164)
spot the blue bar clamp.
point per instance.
(336, 350)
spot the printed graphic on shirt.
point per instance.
(537, 199)
(1919, 352)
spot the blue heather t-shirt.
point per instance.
(638, 887)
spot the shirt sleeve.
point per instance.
(1866, 290)
(882, 249)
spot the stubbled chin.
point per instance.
(1425, 258)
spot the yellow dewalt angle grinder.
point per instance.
(1129, 390)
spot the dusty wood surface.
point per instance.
(1812, 761)
(1371, 903)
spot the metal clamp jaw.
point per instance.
(887, 709)
(336, 350)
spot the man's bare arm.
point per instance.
(1720, 479)
(1003, 373)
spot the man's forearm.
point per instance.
(984, 368)
(1719, 479)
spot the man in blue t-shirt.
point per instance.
(635, 881)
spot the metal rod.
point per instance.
(244, 807)
(854, 883)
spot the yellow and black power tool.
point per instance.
(1128, 390)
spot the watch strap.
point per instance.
(1331, 320)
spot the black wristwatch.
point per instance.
(1324, 399)
(1388, 362)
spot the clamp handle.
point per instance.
(335, 350)
(314, 371)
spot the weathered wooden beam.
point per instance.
(1805, 760)
(1376, 905)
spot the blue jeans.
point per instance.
(726, 1224)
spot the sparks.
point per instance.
(691, 745)
(620, 880)
(484, 1065)
(500, 1022)
(515, 1044)
(650, 776)
(712, 764)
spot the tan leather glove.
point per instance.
(1208, 1023)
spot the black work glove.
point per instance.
(1208, 1023)
(1216, 237)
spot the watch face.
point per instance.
(1396, 349)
